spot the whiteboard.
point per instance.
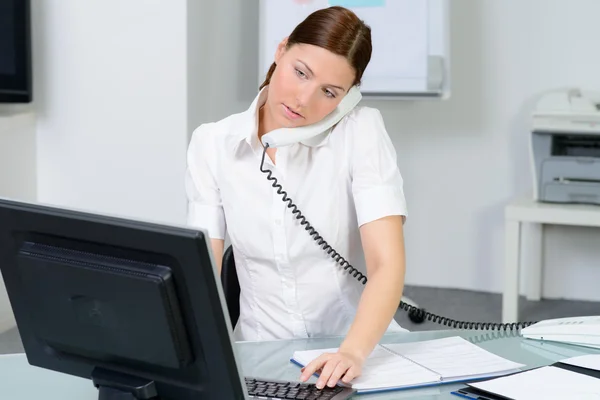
(410, 42)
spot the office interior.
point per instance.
(119, 87)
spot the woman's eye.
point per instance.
(329, 93)
(300, 73)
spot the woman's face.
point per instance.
(308, 83)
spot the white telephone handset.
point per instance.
(286, 136)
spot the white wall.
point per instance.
(117, 108)
(17, 174)
(222, 58)
(111, 87)
(464, 159)
(17, 154)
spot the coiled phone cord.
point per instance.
(417, 312)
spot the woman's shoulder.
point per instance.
(210, 131)
(210, 138)
(362, 133)
(362, 117)
(362, 122)
(363, 113)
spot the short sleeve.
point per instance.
(205, 209)
(377, 185)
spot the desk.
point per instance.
(526, 213)
(20, 381)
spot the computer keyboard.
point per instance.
(275, 389)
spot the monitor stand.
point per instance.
(108, 393)
(118, 386)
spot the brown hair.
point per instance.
(338, 30)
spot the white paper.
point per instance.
(591, 361)
(421, 363)
(381, 370)
(455, 357)
(546, 383)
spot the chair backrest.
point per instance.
(231, 285)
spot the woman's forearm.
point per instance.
(218, 247)
(376, 309)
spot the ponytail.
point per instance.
(268, 77)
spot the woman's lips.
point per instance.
(290, 113)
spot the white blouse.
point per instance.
(290, 287)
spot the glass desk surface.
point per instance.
(20, 381)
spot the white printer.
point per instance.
(565, 147)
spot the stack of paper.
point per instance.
(432, 362)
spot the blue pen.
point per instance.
(473, 396)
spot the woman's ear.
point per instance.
(281, 48)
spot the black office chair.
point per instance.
(231, 288)
(231, 285)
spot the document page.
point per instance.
(381, 370)
(454, 358)
(548, 383)
(590, 361)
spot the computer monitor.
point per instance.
(134, 306)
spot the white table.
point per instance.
(528, 215)
(271, 360)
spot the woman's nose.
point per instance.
(303, 97)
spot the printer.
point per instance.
(565, 147)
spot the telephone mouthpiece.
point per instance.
(282, 137)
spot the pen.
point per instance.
(473, 396)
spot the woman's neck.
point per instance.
(266, 121)
(265, 125)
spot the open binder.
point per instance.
(420, 364)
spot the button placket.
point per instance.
(281, 254)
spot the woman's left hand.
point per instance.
(333, 367)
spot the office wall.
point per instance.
(111, 92)
(223, 68)
(464, 159)
(116, 110)
(17, 153)
(17, 174)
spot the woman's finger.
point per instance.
(337, 373)
(314, 366)
(328, 369)
(350, 374)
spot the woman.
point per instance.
(346, 183)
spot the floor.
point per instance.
(464, 305)
(451, 303)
